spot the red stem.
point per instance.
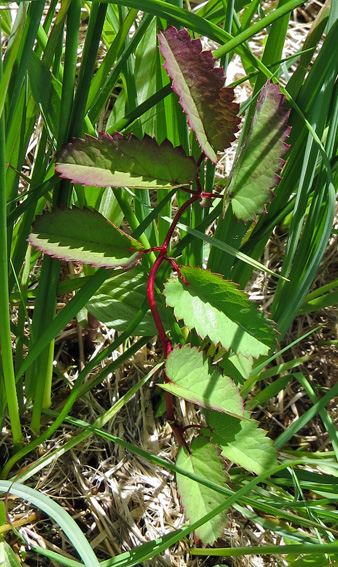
(152, 303)
(166, 343)
(212, 195)
(200, 159)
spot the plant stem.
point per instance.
(166, 343)
(152, 303)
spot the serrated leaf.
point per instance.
(84, 236)
(193, 378)
(242, 442)
(118, 300)
(117, 161)
(255, 172)
(217, 309)
(237, 366)
(211, 112)
(203, 460)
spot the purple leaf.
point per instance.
(211, 112)
(84, 236)
(255, 172)
(116, 161)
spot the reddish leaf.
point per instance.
(255, 172)
(211, 112)
(125, 162)
(84, 236)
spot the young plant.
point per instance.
(229, 332)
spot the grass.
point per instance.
(83, 66)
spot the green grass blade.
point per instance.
(11, 54)
(114, 52)
(319, 303)
(311, 42)
(325, 417)
(226, 248)
(35, 467)
(61, 320)
(89, 56)
(293, 549)
(110, 81)
(29, 35)
(59, 515)
(183, 18)
(68, 83)
(306, 417)
(5, 332)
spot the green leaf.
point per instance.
(193, 378)
(255, 172)
(236, 366)
(203, 460)
(242, 442)
(7, 556)
(217, 309)
(211, 112)
(84, 236)
(117, 161)
(118, 300)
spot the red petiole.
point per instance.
(166, 343)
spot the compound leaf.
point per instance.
(255, 172)
(217, 309)
(211, 112)
(193, 378)
(117, 161)
(202, 460)
(242, 442)
(84, 236)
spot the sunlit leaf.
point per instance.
(203, 460)
(255, 172)
(84, 236)
(211, 112)
(117, 161)
(242, 442)
(193, 378)
(217, 309)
